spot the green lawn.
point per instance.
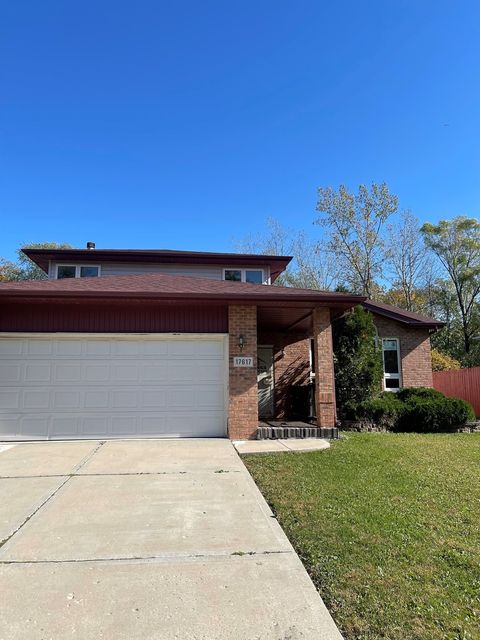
(388, 526)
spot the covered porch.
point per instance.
(289, 390)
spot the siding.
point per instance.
(113, 318)
(126, 268)
(464, 384)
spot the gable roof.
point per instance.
(41, 257)
(157, 286)
(402, 315)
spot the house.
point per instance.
(129, 343)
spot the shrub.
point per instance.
(358, 361)
(384, 410)
(416, 409)
(427, 393)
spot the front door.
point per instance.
(265, 381)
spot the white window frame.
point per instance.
(243, 273)
(392, 376)
(311, 355)
(77, 269)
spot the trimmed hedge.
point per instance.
(416, 409)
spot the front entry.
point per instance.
(265, 381)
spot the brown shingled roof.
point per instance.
(163, 286)
(402, 315)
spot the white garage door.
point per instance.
(112, 386)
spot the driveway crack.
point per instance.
(157, 558)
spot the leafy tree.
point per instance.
(408, 259)
(24, 268)
(355, 223)
(443, 362)
(9, 271)
(456, 243)
(358, 363)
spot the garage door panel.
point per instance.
(68, 348)
(98, 372)
(154, 399)
(125, 372)
(93, 426)
(64, 426)
(35, 399)
(11, 347)
(34, 426)
(37, 372)
(10, 374)
(97, 399)
(111, 387)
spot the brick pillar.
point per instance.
(243, 393)
(324, 374)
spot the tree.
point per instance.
(358, 362)
(408, 259)
(355, 223)
(313, 265)
(443, 362)
(456, 243)
(24, 268)
(9, 271)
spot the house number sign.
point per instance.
(242, 361)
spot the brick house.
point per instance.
(143, 343)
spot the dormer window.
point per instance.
(252, 276)
(77, 271)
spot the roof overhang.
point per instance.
(415, 321)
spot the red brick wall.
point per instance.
(324, 375)
(414, 351)
(243, 394)
(291, 364)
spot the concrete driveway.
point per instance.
(145, 539)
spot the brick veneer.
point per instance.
(324, 375)
(291, 367)
(243, 393)
(414, 351)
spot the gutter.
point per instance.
(151, 295)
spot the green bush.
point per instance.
(384, 410)
(428, 393)
(416, 409)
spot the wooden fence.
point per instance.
(463, 383)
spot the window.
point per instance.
(312, 358)
(77, 271)
(66, 271)
(391, 364)
(252, 276)
(88, 272)
(233, 274)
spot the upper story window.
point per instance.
(391, 364)
(77, 271)
(252, 276)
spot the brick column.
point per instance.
(243, 393)
(324, 374)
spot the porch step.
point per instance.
(283, 432)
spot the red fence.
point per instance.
(463, 383)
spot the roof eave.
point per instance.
(42, 257)
(325, 299)
(399, 317)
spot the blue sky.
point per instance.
(184, 125)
